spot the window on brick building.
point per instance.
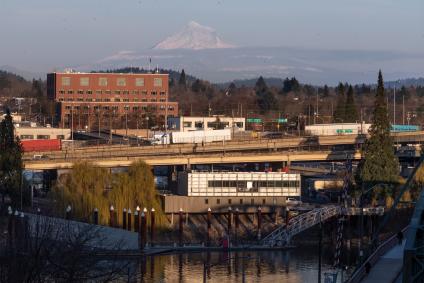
(139, 81)
(121, 82)
(152, 100)
(117, 92)
(102, 81)
(66, 81)
(162, 93)
(153, 93)
(84, 81)
(89, 92)
(70, 91)
(108, 92)
(144, 92)
(98, 92)
(157, 82)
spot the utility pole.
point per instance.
(403, 109)
(394, 105)
(317, 102)
(126, 124)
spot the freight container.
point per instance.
(41, 145)
(192, 137)
(201, 136)
(405, 128)
(337, 129)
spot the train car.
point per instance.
(41, 145)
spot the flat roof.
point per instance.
(89, 73)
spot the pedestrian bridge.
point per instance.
(281, 236)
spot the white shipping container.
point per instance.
(337, 129)
(201, 136)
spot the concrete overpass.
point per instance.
(188, 160)
(255, 150)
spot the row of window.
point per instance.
(127, 108)
(118, 91)
(40, 137)
(85, 81)
(252, 201)
(253, 186)
(214, 125)
(115, 99)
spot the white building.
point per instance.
(239, 184)
(41, 133)
(188, 123)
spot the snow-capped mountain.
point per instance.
(193, 36)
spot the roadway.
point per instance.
(211, 158)
(209, 153)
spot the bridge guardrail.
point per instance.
(360, 272)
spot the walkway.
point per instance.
(387, 269)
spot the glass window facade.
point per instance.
(243, 184)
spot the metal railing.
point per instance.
(281, 236)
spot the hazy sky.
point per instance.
(43, 34)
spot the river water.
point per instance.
(291, 266)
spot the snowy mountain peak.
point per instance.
(193, 36)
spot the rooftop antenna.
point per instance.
(150, 62)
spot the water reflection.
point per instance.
(292, 266)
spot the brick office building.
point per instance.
(110, 100)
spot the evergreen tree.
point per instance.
(379, 162)
(326, 91)
(10, 160)
(351, 113)
(260, 86)
(339, 112)
(267, 101)
(182, 80)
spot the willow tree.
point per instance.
(88, 187)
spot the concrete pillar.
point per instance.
(112, 220)
(124, 219)
(236, 224)
(180, 227)
(208, 223)
(143, 230)
(230, 216)
(287, 215)
(137, 219)
(152, 227)
(68, 212)
(129, 226)
(96, 216)
(259, 223)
